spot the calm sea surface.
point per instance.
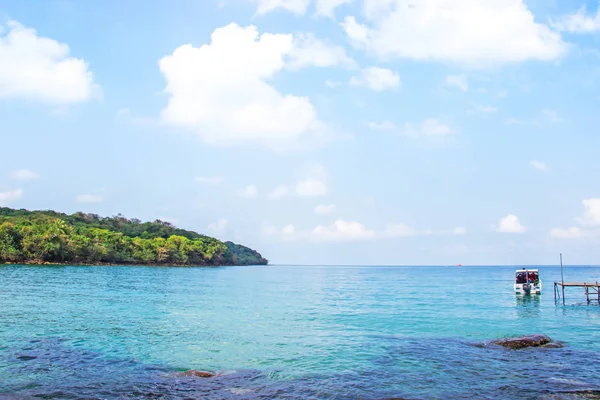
(291, 332)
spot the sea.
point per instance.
(292, 332)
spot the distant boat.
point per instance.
(459, 265)
(528, 281)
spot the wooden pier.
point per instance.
(592, 289)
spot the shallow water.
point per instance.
(291, 332)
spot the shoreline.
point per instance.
(101, 264)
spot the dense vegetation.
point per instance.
(36, 237)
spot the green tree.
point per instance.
(9, 249)
(49, 236)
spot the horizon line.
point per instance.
(430, 265)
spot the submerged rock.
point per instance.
(197, 374)
(522, 342)
(573, 395)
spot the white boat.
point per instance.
(528, 281)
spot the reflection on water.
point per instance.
(528, 306)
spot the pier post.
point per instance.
(562, 279)
(587, 292)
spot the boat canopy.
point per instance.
(526, 270)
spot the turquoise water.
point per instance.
(291, 332)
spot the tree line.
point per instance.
(37, 237)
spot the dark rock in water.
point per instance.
(588, 394)
(26, 358)
(524, 341)
(574, 395)
(197, 374)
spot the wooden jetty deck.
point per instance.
(592, 289)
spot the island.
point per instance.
(50, 237)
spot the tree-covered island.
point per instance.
(39, 237)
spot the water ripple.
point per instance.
(288, 333)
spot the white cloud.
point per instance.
(458, 81)
(377, 79)
(477, 33)
(315, 170)
(294, 6)
(89, 198)
(481, 109)
(430, 127)
(326, 8)
(324, 209)
(513, 121)
(288, 229)
(552, 116)
(249, 192)
(460, 230)
(314, 184)
(308, 51)
(24, 175)
(567, 233)
(287, 233)
(10, 196)
(208, 180)
(399, 230)
(279, 192)
(221, 91)
(311, 187)
(591, 215)
(40, 68)
(590, 218)
(358, 34)
(382, 126)
(219, 227)
(123, 112)
(579, 22)
(539, 165)
(342, 230)
(510, 224)
(332, 84)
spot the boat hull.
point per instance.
(521, 288)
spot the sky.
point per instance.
(379, 132)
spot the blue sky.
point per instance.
(317, 131)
